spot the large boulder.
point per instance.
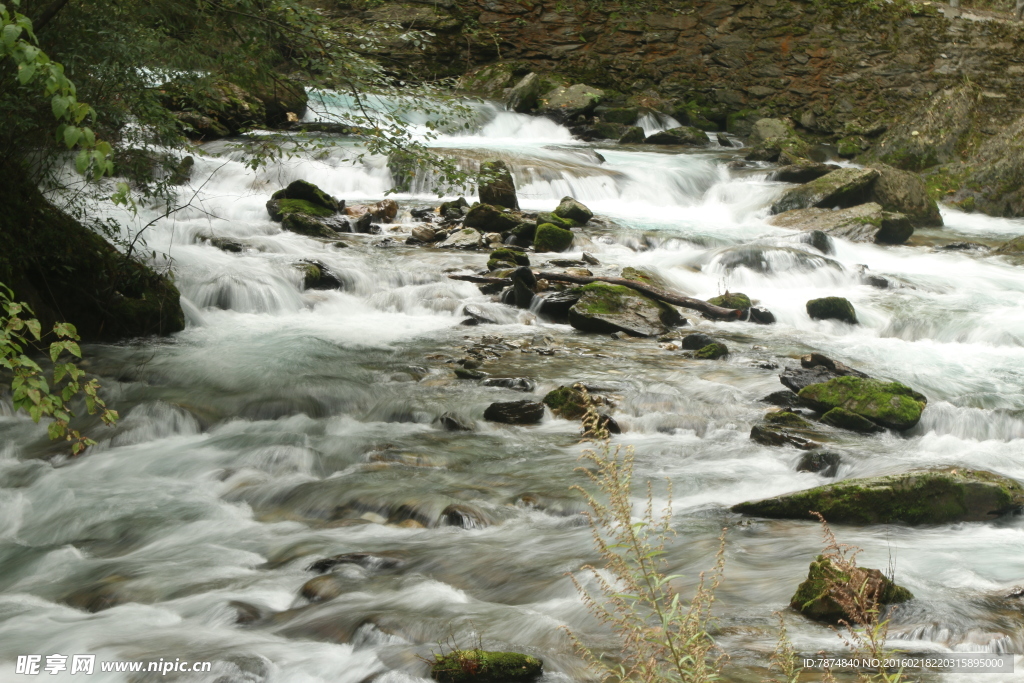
(815, 597)
(550, 237)
(904, 192)
(861, 223)
(683, 135)
(501, 191)
(565, 103)
(616, 308)
(803, 172)
(832, 308)
(843, 188)
(930, 497)
(524, 95)
(308, 192)
(887, 404)
(632, 136)
(482, 666)
(764, 129)
(515, 412)
(572, 210)
(488, 218)
(933, 133)
(310, 226)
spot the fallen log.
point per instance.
(709, 310)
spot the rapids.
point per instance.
(283, 426)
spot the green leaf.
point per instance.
(72, 134)
(34, 327)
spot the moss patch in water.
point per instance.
(737, 300)
(481, 666)
(567, 402)
(889, 404)
(712, 352)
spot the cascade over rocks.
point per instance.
(930, 497)
(814, 597)
(608, 308)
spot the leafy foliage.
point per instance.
(30, 389)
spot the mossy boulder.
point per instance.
(482, 666)
(568, 402)
(642, 275)
(887, 404)
(842, 418)
(843, 188)
(555, 219)
(737, 300)
(523, 96)
(304, 224)
(308, 192)
(279, 208)
(712, 351)
(627, 116)
(814, 597)
(785, 428)
(905, 193)
(683, 135)
(634, 135)
(550, 237)
(488, 218)
(68, 273)
(572, 210)
(832, 308)
(933, 134)
(616, 308)
(454, 209)
(507, 258)
(606, 130)
(500, 190)
(929, 497)
(1014, 246)
(212, 108)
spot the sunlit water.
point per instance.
(283, 426)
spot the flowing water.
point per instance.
(284, 426)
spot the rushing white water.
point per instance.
(284, 425)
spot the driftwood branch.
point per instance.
(709, 310)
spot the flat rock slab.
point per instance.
(931, 497)
(608, 309)
(861, 223)
(843, 188)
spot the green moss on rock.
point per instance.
(888, 404)
(786, 419)
(712, 351)
(481, 666)
(567, 402)
(813, 598)
(832, 308)
(505, 258)
(616, 308)
(930, 497)
(844, 419)
(550, 237)
(731, 300)
(1014, 246)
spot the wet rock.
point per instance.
(929, 497)
(844, 419)
(782, 398)
(515, 412)
(514, 383)
(964, 246)
(477, 314)
(507, 258)
(550, 237)
(784, 428)
(307, 225)
(606, 424)
(501, 191)
(451, 422)
(467, 238)
(568, 402)
(301, 190)
(820, 360)
(643, 275)
(565, 103)
(322, 588)
(362, 224)
(524, 284)
(764, 129)
(796, 379)
(683, 135)
(464, 516)
(843, 188)
(712, 351)
(279, 208)
(383, 211)
(481, 666)
(634, 135)
(824, 463)
(182, 173)
(888, 404)
(555, 219)
(223, 109)
(801, 173)
(487, 218)
(225, 244)
(245, 613)
(572, 210)
(696, 341)
(455, 209)
(590, 259)
(608, 308)
(819, 240)
(1014, 246)
(832, 308)
(905, 193)
(556, 305)
(523, 96)
(469, 373)
(736, 300)
(97, 596)
(423, 213)
(316, 275)
(814, 597)
(425, 234)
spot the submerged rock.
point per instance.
(930, 497)
(844, 419)
(712, 351)
(784, 428)
(513, 383)
(1014, 246)
(501, 191)
(515, 412)
(843, 188)
(824, 463)
(814, 598)
(888, 404)
(482, 666)
(322, 588)
(615, 308)
(832, 308)
(683, 135)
